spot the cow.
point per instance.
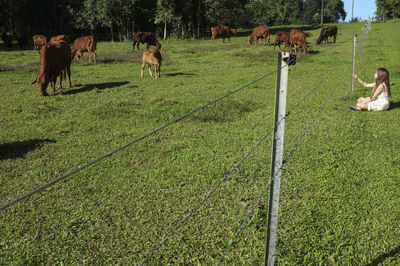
(55, 60)
(59, 38)
(153, 58)
(222, 31)
(298, 39)
(7, 39)
(326, 33)
(39, 41)
(260, 32)
(282, 37)
(84, 44)
(145, 37)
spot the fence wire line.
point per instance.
(208, 195)
(132, 142)
(24, 196)
(317, 114)
(242, 226)
(250, 214)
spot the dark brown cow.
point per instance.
(282, 37)
(55, 60)
(298, 39)
(260, 32)
(84, 44)
(326, 33)
(145, 37)
(39, 41)
(222, 31)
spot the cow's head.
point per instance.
(43, 83)
(308, 34)
(234, 32)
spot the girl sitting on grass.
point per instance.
(381, 96)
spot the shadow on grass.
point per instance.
(18, 149)
(394, 105)
(179, 74)
(100, 86)
(381, 258)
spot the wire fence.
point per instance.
(190, 214)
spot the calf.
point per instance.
(55, 60)
(298, 39)
(145, 37)
(39, 41)
(282, 37)
(326, 33)
(153, 58)
(84, 44)
(222, 31)
(260, 32)
(59, 38)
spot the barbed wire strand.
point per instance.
(208, 195)
(187, 216)
(250, 214)
(243, 224)
(131, 143)
(51, 183)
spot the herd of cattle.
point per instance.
(56, 55)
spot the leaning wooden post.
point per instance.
(284, 60)
(353, 61)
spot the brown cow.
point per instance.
(298, 39)
(55, 60)
(145, 37)
(59, 38)
(326, 33)
(222, 31)
(282, 37)
(39, 41)
(260, 32)
(84, 44)
(153, 58)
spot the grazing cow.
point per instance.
(260, 32)
(145, 37)
(282, 37)
(84, 44)
(222, 31)
(59, 38)
(153, 58)
(298, 39)
(326, 33)
(39, 41)
(55, 60)
(7, 39)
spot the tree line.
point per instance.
(118, 19)
(387, 9)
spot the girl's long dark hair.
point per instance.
(383, 77)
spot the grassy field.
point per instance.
(340, 201)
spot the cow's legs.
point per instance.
(142, 69)
(151, 74)
(69, 76)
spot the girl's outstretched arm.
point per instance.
(366, 85)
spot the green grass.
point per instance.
(340, 204)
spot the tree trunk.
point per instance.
(112, 33)
(165, 30)
(199, 20)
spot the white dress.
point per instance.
(379, 104)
